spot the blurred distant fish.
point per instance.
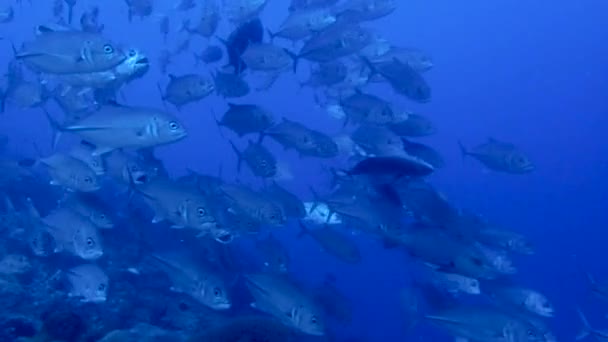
(164, 27)
(338, 40)
(71, 173)
(334, 243)
(7, 14)
(64, 51)
(254, 204)
(211, 54)
(415, 58)
(11, 264)
(403, 79)
(239, 11)
(208, 20)
(424, 152)
(302, 23)
(84, 152)
(274, 255)
(306, 141)
(454, 283)
(245, 119)
(413, 126)
(293, 207)
(185, 5)
(91, 207)
(140, 8)
(194, 279)
(279, 297)
(250, 32)
(89, 21)
(297, 5)
(89, 283)
(258, 158)
(327, 74)
(333, 301)
(187, 88)
(230, 85)
(366, 10)
(74, 234)
(500, 156)
(363, 107)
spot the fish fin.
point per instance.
(239, 156)
(57, 129)
(586, 330)
(271, 34)
(463, 149)
(294, 57)
(283, 172)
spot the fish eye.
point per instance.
(102, 216)
(88, 180)
(108, 49)
(314, 320)
(173, 125)
(101, 287)
(90, 242)
(217, 292)
(201, 211)
(132, 53)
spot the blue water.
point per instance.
(532, 73)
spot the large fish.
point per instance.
(67, 51)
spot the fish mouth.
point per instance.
(144, 61)
(222, 306)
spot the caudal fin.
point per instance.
(586, 330)
(463, 149)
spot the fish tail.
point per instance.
(370, 65)
(586, 330)
(271, 34)
(463, 149)
(185, 26)
(303, 229)
(317, 200)
(162, 96)
(57, 129)
(295, 59)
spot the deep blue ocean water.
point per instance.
(533, 73)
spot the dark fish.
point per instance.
(238, 41)
(334, 243)
(245, 119)
(230, 85)
(424, 152)
(396, 167)
(187, 88)
(306, 141)
(414, 126)
(500, 156)
(258, 158)
(403, 79)
(89, 21)
(292, 204)
(210, 54)
(274, 254)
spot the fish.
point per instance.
(91, 207)
(588, 330)
(211, 54)
(244, 119)
(194, 279)
(500, 156)
(423, 152)
(393, 167)
(67, 51)
(89, 21)
(208, 20)
(140, 8)
(89, 283)
(114, 126)
(11, 264)
(239, 11)
(334, 243)
(250, 32)
(229, 85)
(403, 79)
(303, 23)
(255, 205)
(74, 234)
(521, 298)
(187, 88)
(292, 205)
(367, 108)
(71, 173)
(7, 14)
(341, 39)
(258, 158)
(366, 10)
(307, 142)
(280, 298)
(274, 254)
(414, 125)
